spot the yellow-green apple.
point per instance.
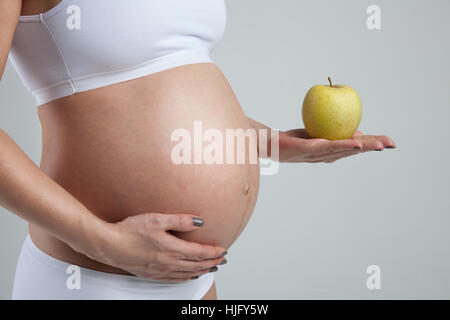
(331, 111)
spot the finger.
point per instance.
(178, 222)
(172, 263)
(373, 142)
(331, 155)
(191, 250)
(172, 279)
(370, 143)
(185, 275)
(386, 141)
(198, 266)
(336, 156)
(333, 146)
(341, 156)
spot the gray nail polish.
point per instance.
(197, 222)
(223, 254)
(213, 269)
(194, 277)
(224, 261)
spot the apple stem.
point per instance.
(329, 80)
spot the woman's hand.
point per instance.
(143, 246)
(297, 146)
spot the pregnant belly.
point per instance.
(118, 150)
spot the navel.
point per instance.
(246, 189)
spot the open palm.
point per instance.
(297, 146)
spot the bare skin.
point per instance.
(64, 227)
(121, 172)
(109, 196)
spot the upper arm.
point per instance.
(9, 17)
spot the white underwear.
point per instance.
(42, 277)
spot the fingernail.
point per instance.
(224, 261)
(223, 254)
(213, 269)
(197, 222)
(378, 149)
(390, 147)
(195, 277)
(357, 148)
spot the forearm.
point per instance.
(257, 125)
(28, 192)
(267, 131)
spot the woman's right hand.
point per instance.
(143, 246)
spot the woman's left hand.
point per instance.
(297, 146)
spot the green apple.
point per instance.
(331, 111)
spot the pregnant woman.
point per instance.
(111, 215)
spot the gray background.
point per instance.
(317, 227)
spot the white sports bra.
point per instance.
(80, 45)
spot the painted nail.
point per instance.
(213, 269)
(390, 147)
(378, 149)
(224, 261)
(194, 277)
(197, 222)
(223, 254)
